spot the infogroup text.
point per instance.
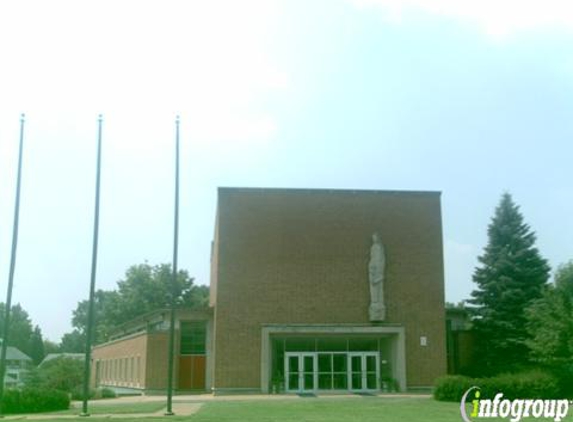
(514, 409)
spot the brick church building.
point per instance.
(311, 291)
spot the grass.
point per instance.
(125, 408)
(364, 409)
(342, 409)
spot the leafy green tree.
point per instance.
(62, 373)
(21, 329)
(145, 288)
(73, 342)
(550, 322)
(107, 310)
(511, 275)
(50, 347)
(564, 277)
(199, 297)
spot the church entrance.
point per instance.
(307, 372)
(321, 358)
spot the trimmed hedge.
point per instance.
(107, 393)
(34, 400)
(452, 387)
(100, 393)
(525, 385)
(78, 393)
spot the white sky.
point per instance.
(290, 94)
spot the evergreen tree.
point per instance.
(36, 347)
(511, 275)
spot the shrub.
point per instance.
(78, 393)
(452, 387)
(62, 373)
(100, 393)
(565, 377)
(34, 400)
(525, 385)
(390, 384)
(107, 393)
(11, 401)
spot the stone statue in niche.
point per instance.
(376, 268)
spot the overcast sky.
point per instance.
(468, 98)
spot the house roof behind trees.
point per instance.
(13, 353)
(52, 356)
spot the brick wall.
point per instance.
(149, 350)
(158, 347)
(122, 363)
(301, 256)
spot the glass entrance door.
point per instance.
(363, 371)
(300, 372)
(351, 371)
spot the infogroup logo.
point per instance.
(514, 409)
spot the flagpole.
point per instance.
(173, 278)
(89, 331)
(12, 265)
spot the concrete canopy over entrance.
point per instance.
(301, 367)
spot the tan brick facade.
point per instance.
(122, 363)
(288, 263)
(140, 360)
(301, 257)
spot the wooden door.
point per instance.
(192, 372)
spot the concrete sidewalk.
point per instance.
(179, 408)
(189, 404)
(208, 397)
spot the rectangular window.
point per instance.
(362, 344)
(138, 371)
(132, 370)
(300, 344)
(332, 344)
(193, 338)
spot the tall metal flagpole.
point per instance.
(12, 266)
(89, 331)
(173, 278)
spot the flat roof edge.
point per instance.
(225, 189)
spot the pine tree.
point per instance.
(511, 275)
(36, 347)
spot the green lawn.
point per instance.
(99, 409)
(363, 409)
